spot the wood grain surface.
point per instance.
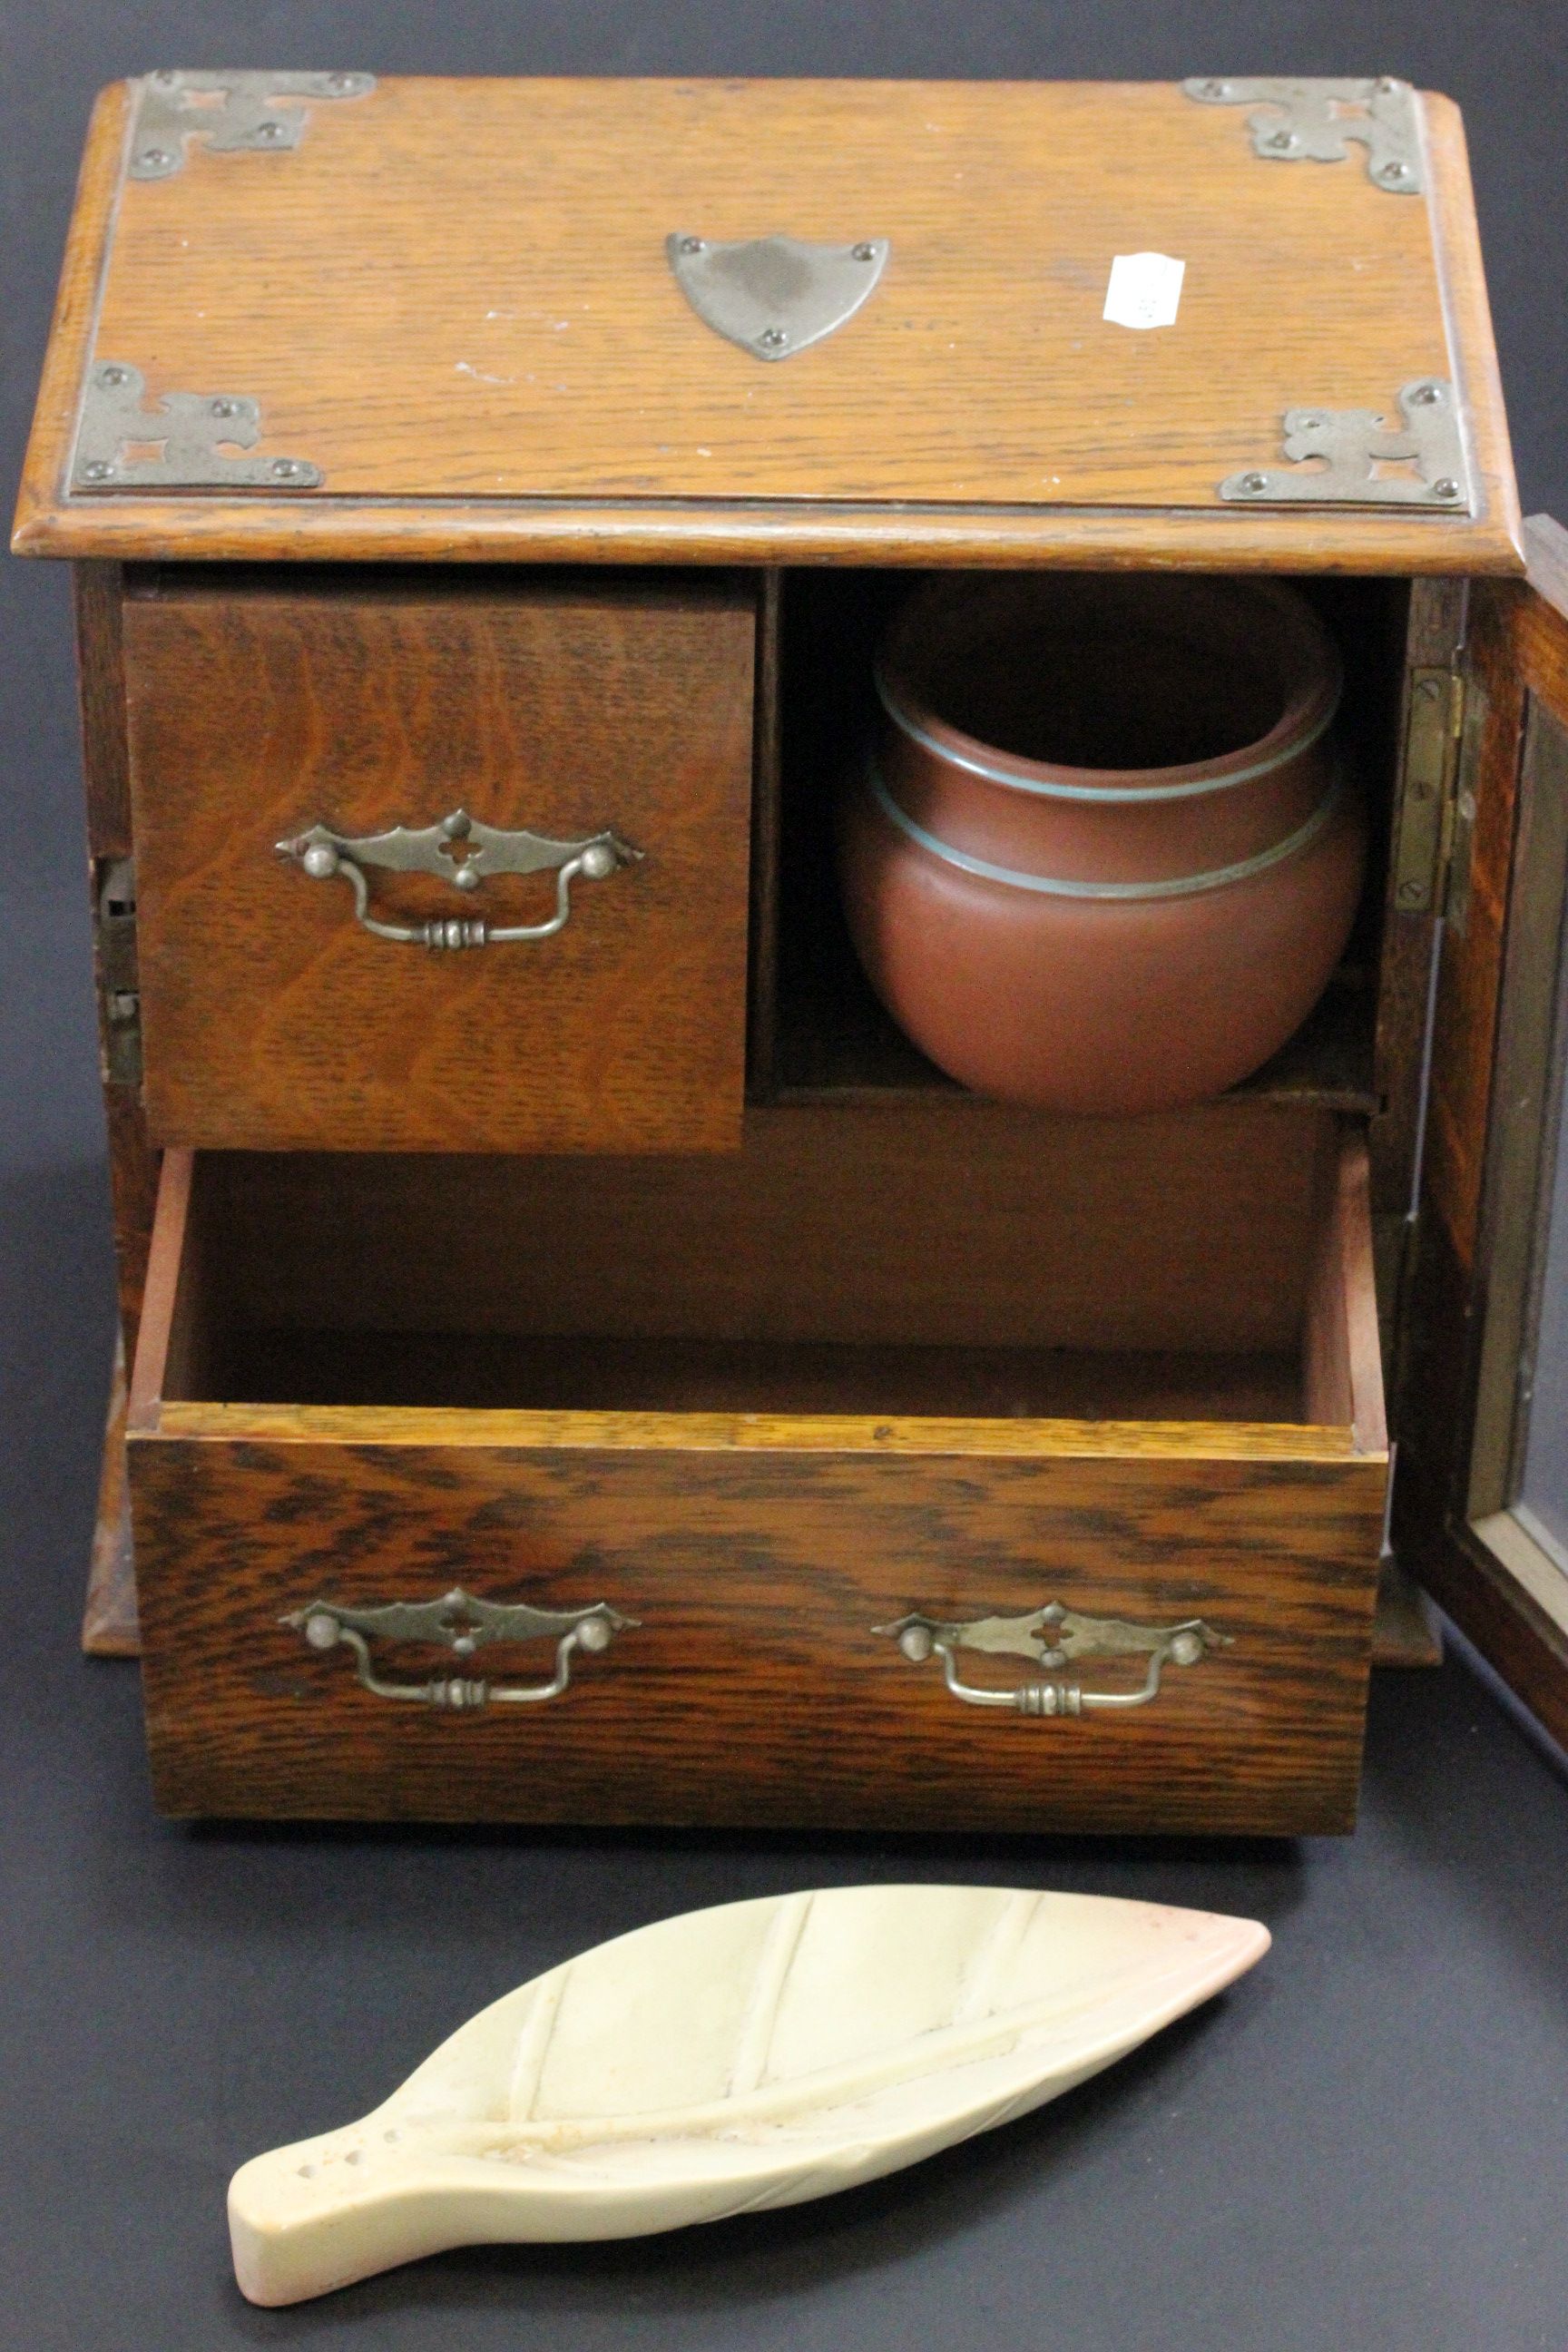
(767, 772)
(754, 1689)
(99, 591)
(1433, 1531)
(759, 1551)
(1500, 641)
(1406, 1628)
(110, 1628)
(561, 397)
(948, 1221)
(1406, 1631)
(100, 670)
(1434, 634)
(200, 1320)
(594, 420)
(259, 707)
(1341, 1357)
(585, 1372)
(1519, 653)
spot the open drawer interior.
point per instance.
(940, 1362)
(947, 1259)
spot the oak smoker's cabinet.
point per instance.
(587, 1366)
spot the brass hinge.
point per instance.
(120, 990)
(1436, 804)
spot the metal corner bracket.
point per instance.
(1335, 454)
(1310, 122)
(231, 113)
(182, 440)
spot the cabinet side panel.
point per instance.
(132, 1161)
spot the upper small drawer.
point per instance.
(582, 721)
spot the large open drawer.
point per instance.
(814, 1440)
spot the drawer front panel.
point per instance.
(273, 1018)
(752, 1687)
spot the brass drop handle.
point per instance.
(1054, 1637)
(464, 852)
(463, 1625)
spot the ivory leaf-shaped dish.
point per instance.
(757, 2055)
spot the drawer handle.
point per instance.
(465, 853)
(1054, 1637)
(464, 1625)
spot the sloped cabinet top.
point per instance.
(318, 313)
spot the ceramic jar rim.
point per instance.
(1312, 702)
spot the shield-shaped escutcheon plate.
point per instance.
(774, 295)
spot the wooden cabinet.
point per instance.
(608, 1374)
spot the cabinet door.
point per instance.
(1481, 1493)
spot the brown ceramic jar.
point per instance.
(1103, 856)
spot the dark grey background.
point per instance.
(1366, 2143)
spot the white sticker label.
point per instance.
(1144, 289)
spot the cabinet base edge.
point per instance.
(109, 1627)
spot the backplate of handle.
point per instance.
(462, 851)
(462, 1625)
(1054, 1637)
